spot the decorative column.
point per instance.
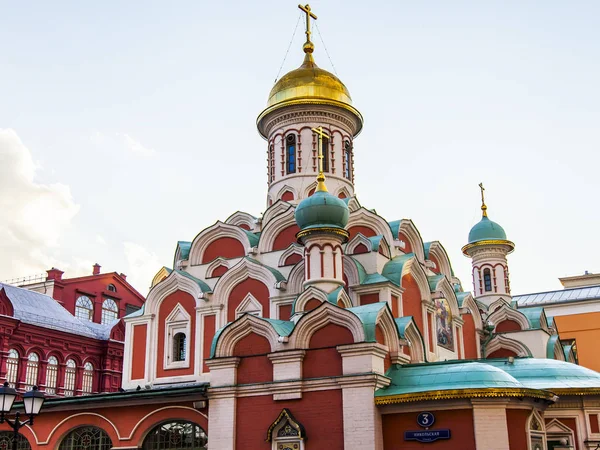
(221, 397)
(489, 424)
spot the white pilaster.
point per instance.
(489, 424)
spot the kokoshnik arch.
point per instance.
(321, 324)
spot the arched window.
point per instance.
(7, 441)
(325, 145)
(33, 363)
(12, 367)
(348, 158)
(111, 288)
(176, 435)
(88, 378)
(51, 375)
(86, 438)
(290, 153)
(70, 378)
(487, 280)
(84, 308)
(179, 347)
(110, 311)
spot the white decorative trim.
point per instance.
(279, 207)
(437, 250)
(407, 227)
(325, 314)
(159, 276)
(308, 294)
(364, 217)
(295, 283)
(215, 263)
(241, 328)
(344, 298)
(210, 234)
(343, 190)
(249, 306)
(413, 268)
(285, 189)
(272, 229)
(415, 342)
(502, 342)
(309, 188)
(390, 331)
(505, 312)
(353, 204)
(445, 288)
(173, 283)
(293, 249)
(470, 305)
(355, 242)
(178, 321)
(239, 218)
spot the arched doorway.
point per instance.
(176, 435)
(6, 441)
(86, 438)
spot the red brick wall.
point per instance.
(460, 423)
(252, 286)
(285, 312)
(516, 419)
(379, 337)
(359, 249)
(255, 366)
(507, 325)
(365, 231)
(225, 247)
(285, 238)
(138, 352)
(322, 359)
(470, 336)
(367, 299)
(292, 259)
(594, 423)
(395, 311)
(408, 247)
(437, 263)
(287, 196)
(320, 413)
(411, 301)
(166, 307)
(219, 271)
(312, 304)
(208, 330)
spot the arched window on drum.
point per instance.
(176, 435)
(290, 153)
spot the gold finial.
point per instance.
(308, 45)
(483, 207)
(321, 177)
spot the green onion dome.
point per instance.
(486, 230)
(322, 210)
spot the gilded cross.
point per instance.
(306, 9)
(483, 207)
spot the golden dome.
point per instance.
(309, 82)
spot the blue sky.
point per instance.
(132, 124)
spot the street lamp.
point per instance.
(32, 401)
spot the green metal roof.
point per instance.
(550, 374)
(402, 323)
(393, 268)
(374, 278)
(362, 273)
(368, 316)
(322, 210)
(252, 237)
(460, 296)
(375, 241)
(446, 376)
(275, 272)
(486, 230)
(184, 249)
(550, 346)
(534, 316)
(395, 227)
(332, 297)
(433, 281)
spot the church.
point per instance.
(322, 325)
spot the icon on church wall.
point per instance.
(443, 317)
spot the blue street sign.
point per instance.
(426, 435)
(425, 419)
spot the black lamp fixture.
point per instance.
(32, 401)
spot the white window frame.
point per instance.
(178, 321)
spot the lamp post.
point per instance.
(32, 401)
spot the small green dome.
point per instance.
(322, 210)
(486, 230)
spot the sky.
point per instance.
(127, 126)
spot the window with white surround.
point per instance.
(33, 363)
(51, 375)
(177, 335)
(70, 378)
(84, 308)
(249, 305)
(110, 311)
(88, 378)
(12, 367)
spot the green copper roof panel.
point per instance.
(374, 278)
(549, 374)
(393, 268)
(395, 227)
(415, 378)
(184, 249)
(203, 286)
(275, 272)
(332, 297)
(460, 296)
(252, 237)
(362, 273)
(534, 316)
(368, 316)
(402, 323)
(486, 230)
(550, 346)
(433, 281)
(375, 241)
(282, 327)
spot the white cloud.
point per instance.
(136, 146)
(34, 216)
(142, 265)
(100, 240)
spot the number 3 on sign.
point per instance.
(425, 419)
